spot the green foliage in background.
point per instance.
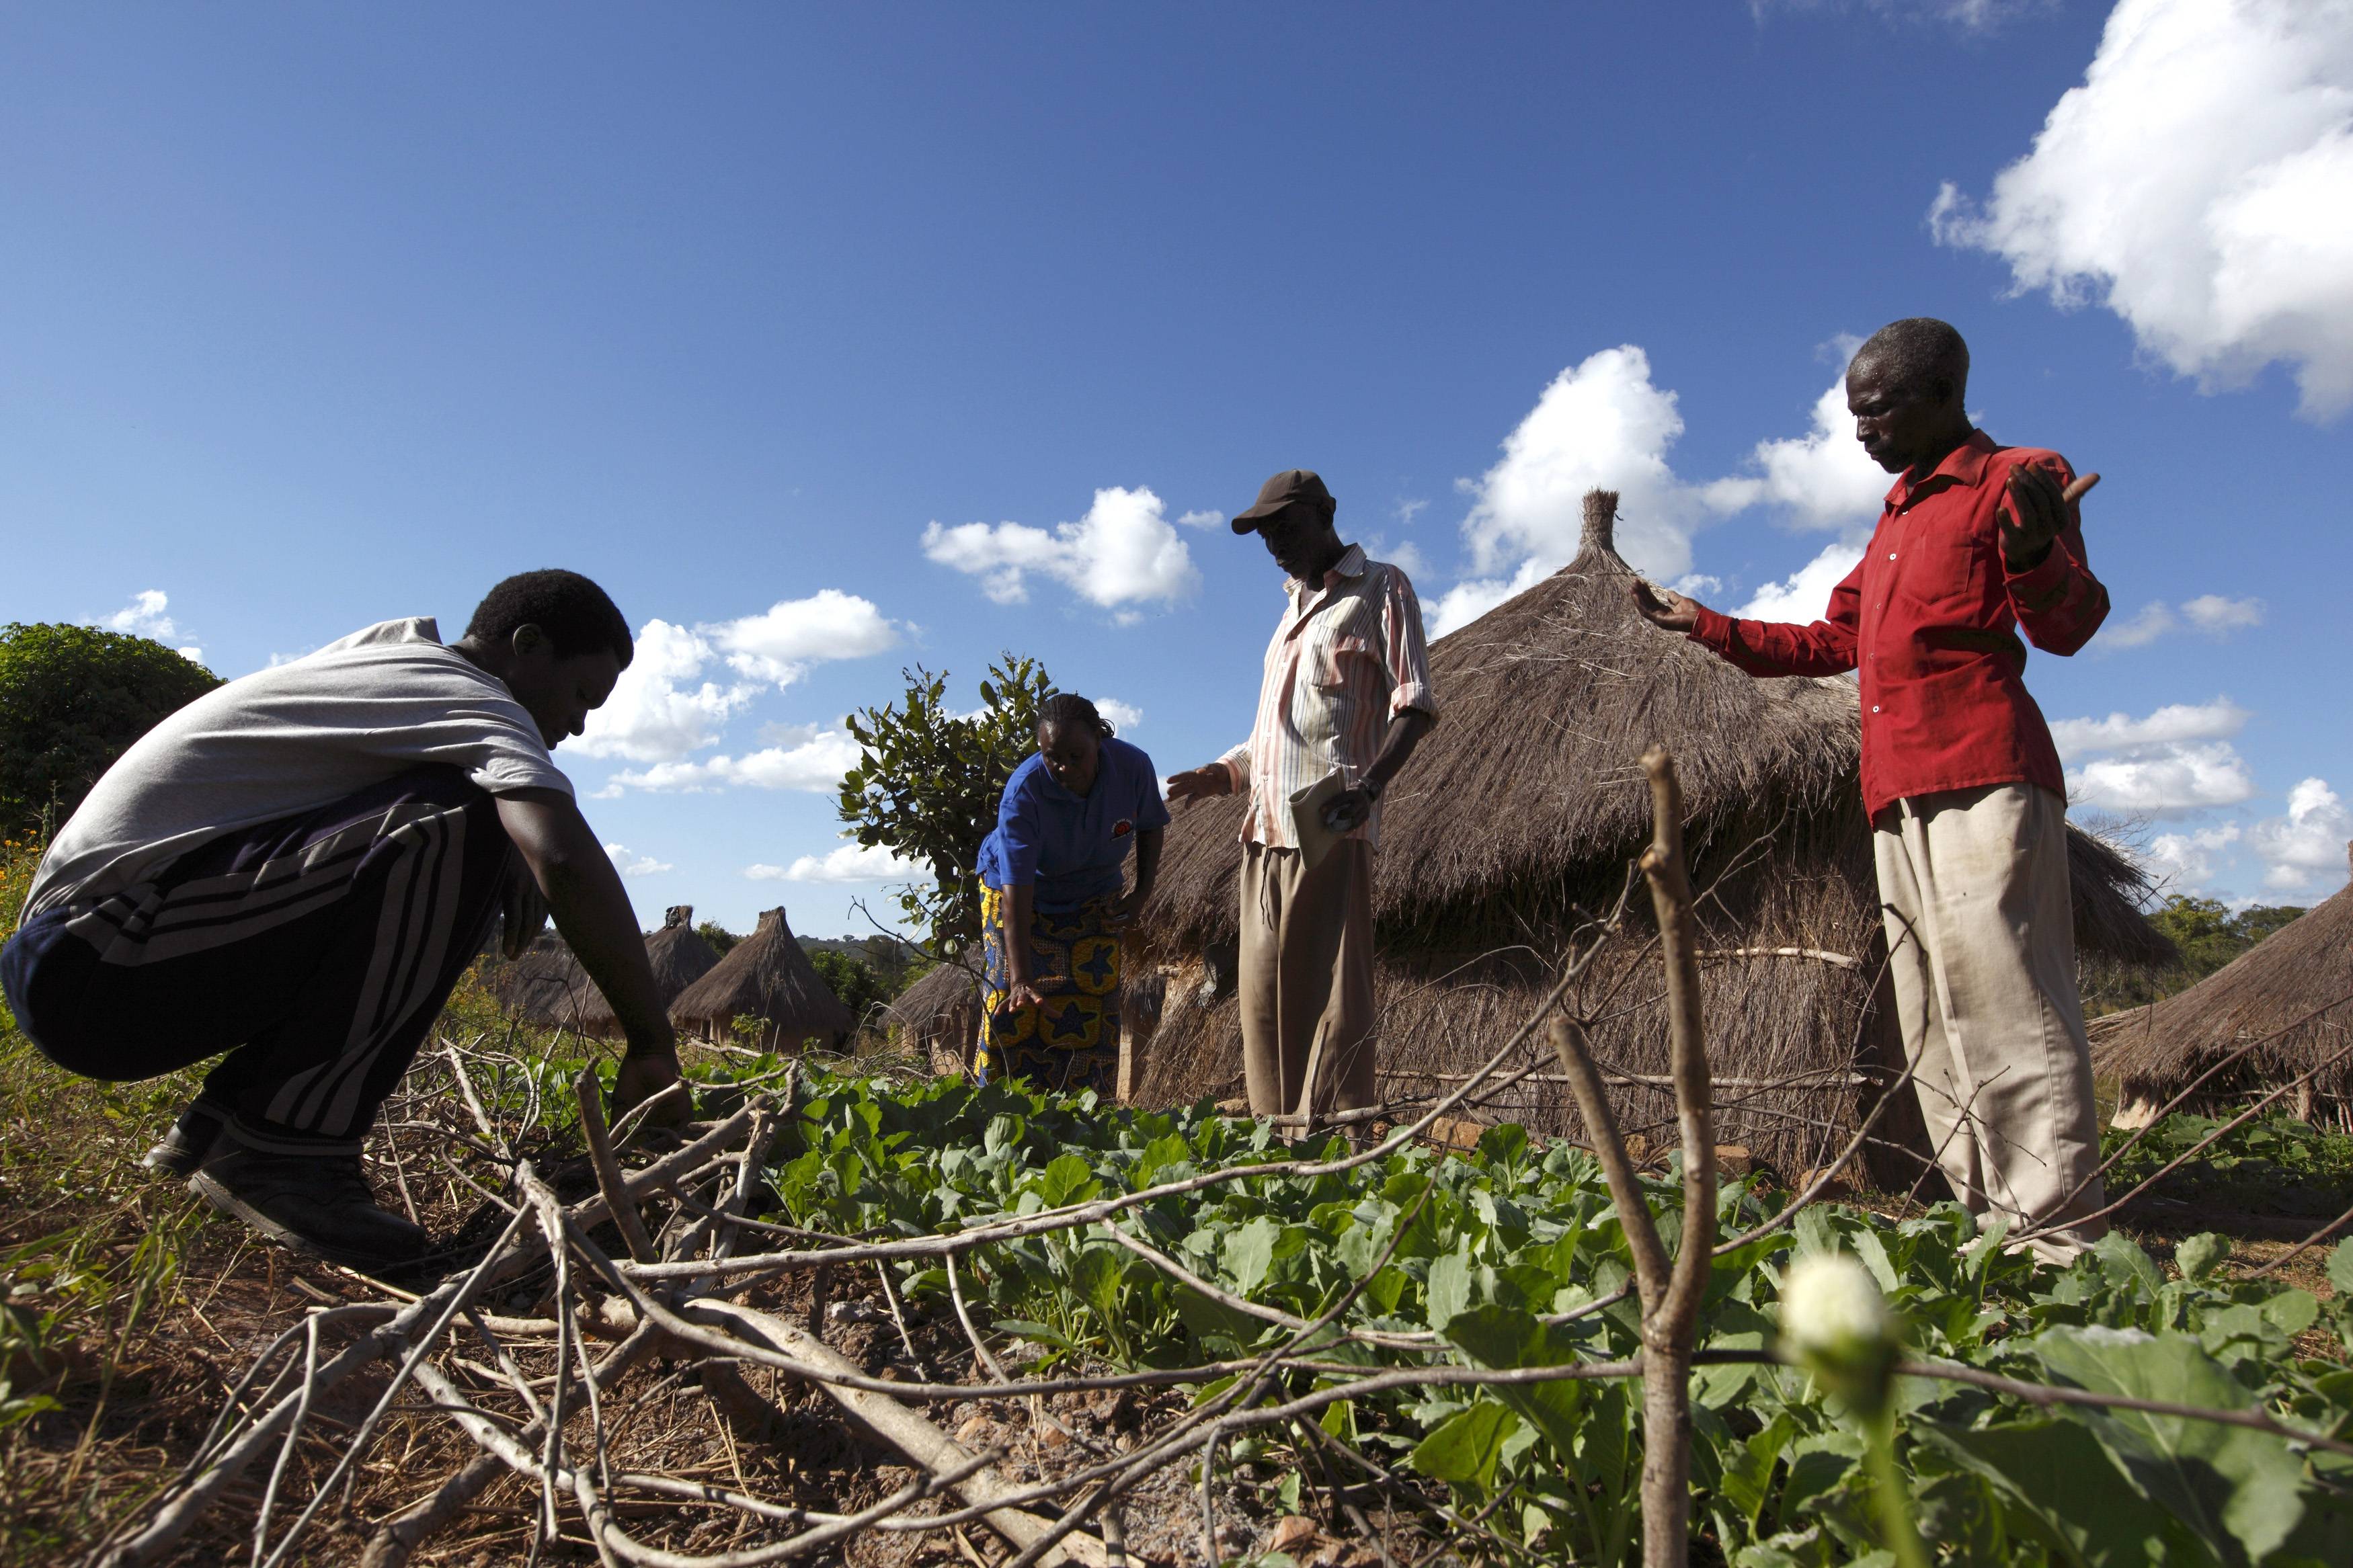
(1499, 1247)
(2209, 935)
(2276, 1165)
(720, 937)
(927, 784)
(72, 699)
(852, 982)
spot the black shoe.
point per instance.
(192, 1140)
(315, 1203)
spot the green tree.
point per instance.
(720, 937)
(857, 986)
(927, 783)
(2209, 935)
(73, 699)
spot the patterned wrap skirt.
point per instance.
(1069, 1039)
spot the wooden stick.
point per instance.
(632, 1224)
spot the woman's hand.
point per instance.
(1125, 909)
(1023, 995)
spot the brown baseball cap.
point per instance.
(1291, 485)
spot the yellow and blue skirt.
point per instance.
(1069, 1040)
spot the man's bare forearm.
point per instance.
(1404, 732)
(584, 896)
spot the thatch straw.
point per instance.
(546, 987)
(680, 957)
(2271, 990)
(1519, 816)
(940, 1014)
(768, 978)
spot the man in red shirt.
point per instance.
(1976, 543)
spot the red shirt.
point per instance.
(1931, 619)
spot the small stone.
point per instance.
(1237, 1106)
(1841, 1180)
(975, 1432)
(1291, 1533)
(1052, 1437)
(1733, 1159)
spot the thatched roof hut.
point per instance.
(680, 957)
(546, 987)
(765, 976)
(939, 1015)
(1517, 821)
(2293, 991)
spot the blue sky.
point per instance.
(807, 330)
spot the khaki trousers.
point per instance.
(1981, 933)
(1307, 976)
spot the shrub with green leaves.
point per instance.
(73, 699)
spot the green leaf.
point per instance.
(2057, 1473)
(1505, 1338)
(2202, 1254)
(1464, 1450)
(2237, 1489)
(2340, 1267)
(1067, 1179)
(1448, 1290)
(1248, 1253)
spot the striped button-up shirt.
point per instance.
(1348, 657)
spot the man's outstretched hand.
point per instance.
(643, 1076)
(2035, 515)
(1663, 607)
(1198, 783)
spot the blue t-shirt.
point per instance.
(1071, 847)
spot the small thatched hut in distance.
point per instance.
(938, 1017)
(2295, 985)
(1517, 822)
(768, 978)
(680, 957)
(546, 987)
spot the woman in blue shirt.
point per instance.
(1053, 871)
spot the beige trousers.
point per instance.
(1307, 976)
(1981, 932)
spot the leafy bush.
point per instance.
(1505, 1257)
(73, 699)
(857, 986)
(927, 784)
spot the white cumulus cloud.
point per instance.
(656, 711)
(2307, 845)
(663, 708)
(814, 764)
(1123, 717)
(1201, 520)
(1125, 552)
(2177, 759)
(1805, 596)
(149, 615)
(629, 863)
(2210, 614)
(2172, 724)
(2184, 862)
(1603, 423)
(2196, 184)
(781, 642)
(850, 863)
(2164, 780)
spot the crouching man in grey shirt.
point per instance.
(295, 869)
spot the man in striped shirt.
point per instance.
(1346, 687)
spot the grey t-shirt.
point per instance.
(288, 739)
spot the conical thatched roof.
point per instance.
(1518, 818)
(766, 977)
(546, 986)
(2273, 988)
(680, 957)
(940, 1012)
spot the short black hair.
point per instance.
(578, 615)
(1068, 708)
(1918, 350)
